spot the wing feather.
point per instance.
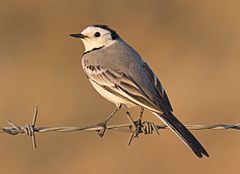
(121, 85)
(162, 93)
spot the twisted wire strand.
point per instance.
(146, 127)
(28, 129)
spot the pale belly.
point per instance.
(111, 97)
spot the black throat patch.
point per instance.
(94, 49)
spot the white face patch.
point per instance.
(92, 40)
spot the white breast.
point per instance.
(111, 97)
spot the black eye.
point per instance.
(97, 34)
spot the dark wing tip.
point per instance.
(162, 93)
(201, 153)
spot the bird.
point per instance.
(119, 74)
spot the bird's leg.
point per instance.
(131, 120)
(135, 124)
(139, 121)
(148, 128)
(104, 123)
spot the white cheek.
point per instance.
(89, 45)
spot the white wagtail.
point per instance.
(120, 75)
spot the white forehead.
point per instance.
(93, 29)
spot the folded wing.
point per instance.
(122, 85)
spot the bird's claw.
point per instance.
(138, 127)
(101, 132)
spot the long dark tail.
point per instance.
(186, 136)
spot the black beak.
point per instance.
(79, 35)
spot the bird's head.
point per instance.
(96, 36)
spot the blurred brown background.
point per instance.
(193, 46)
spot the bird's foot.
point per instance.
(102, 131)
(104, 123)
(138, 127)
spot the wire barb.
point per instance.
(28, 129)
(145, 127)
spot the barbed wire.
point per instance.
(146, 127)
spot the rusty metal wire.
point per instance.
(146, 127)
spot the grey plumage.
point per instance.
(118, 69)
(129, 64)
